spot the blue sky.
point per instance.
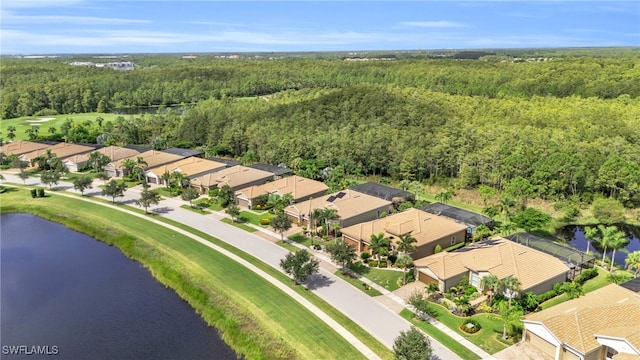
(107, 26)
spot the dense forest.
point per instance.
(561, 128)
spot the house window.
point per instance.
(453, 240)
(475, 280)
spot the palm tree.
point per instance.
(610, 235)
(504, 206)
(166, 177)
(405, 243)
(128, 165)
(492, 283)
(323, 216)
(141, 164)
(633, 261)
(379, 243)
(179, 178)
(512, 285)
(617, 241)
(591, 234)
(404, 261)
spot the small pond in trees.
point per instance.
(574, 235)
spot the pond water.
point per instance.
(83, 299)
(574, 235)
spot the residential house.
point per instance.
(469, 218)
(76, 163)
(191, 167)
(537, 271)
(352, 207)
(61, 150)
(22, 147)
(383, 192)
(237, 177)
(153, 158)
(278, 171)
(602, 324)
(429, 230)
(299, 187)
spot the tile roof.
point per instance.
(424, 227)
(234, 176)
(610, 311)
(298, 186)
(22, 147)
(114, 153)
(188, 166)
(348, 203)
(499, 257)
(62, 150)
(152, 157)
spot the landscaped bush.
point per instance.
(410, 277)
(470, 290)
(586, 275)
(265, 221)
(392, 258)
(484, 308)
(365, 256)
(437, 249)
(373, 263)
(547, 295)
(34, 193)
(41, 192)
(470, 326)
(383, 263)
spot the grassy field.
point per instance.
(388, 279)
(593, 284)
(196, 210)
(278, 328)
(255, 218)
(358, 284)
(23, 123)
(239, 225)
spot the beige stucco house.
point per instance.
(429, 231)
(152, 158)
(352, 207)
(300, 188)
(191, 167)
(237, 177)
(77, 162)
(602, 324)
(61, 150)
(22, 147)
(537, 271)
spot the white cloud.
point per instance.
(433, 24)
(38, 3)
(9, 17)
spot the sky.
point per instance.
(148, 26)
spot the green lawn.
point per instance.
(22, 123)
(239, 225)
(593, 284)
(196, 210)
(260, 329)
(255, 218)
(163, 191)
(388, 279)
(440, 336)
(287, 246)
(204, 202)
(301, 239)
(488, 338)
(358, 284)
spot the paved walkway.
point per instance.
(377, 319)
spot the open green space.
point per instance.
(279, 328)
(358, 284)
(196, 210)
(388, 279)
(592, 284)
(239, 225)
(440, 336)
(254, 218)
(27, 122)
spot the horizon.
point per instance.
(67, 27)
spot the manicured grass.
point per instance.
(287, 246)
(254, 327)
(196, 210)
(72, 176)
(239, 225)
(163, 191)
(21, 124)
(205, 202)
(358, 284)
(440, 336)
(301, 239)
(388, 279)
(255, 218)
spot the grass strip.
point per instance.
(239, 225)
(440, 336)
(196, 210)
(358, 284)
(252, 325)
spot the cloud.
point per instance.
(433, 24)
(8, 17)
(39, 3)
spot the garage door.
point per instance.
(426, 278)
(242, 202)
(540, 343)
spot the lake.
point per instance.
(82, 299)
(574, 235)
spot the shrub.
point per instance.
(484, 308)
(34, 193)
(470, 326)
(410, 277)
(470, 290)
(586, 275)
(547, 295)
(437, 249)
(383, 263)
(392, 258)
(365, 256)
(258, 207)
(373, 263)
(265, 221)
(41, 192)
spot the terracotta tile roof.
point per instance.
(62, 150)
(299, 187)
(424, 227)
(114, 153)
(611, 311)
(348, 203)
(22, 147)
(188, 166)
(499, 257)
(152, 157)
(234, 176)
